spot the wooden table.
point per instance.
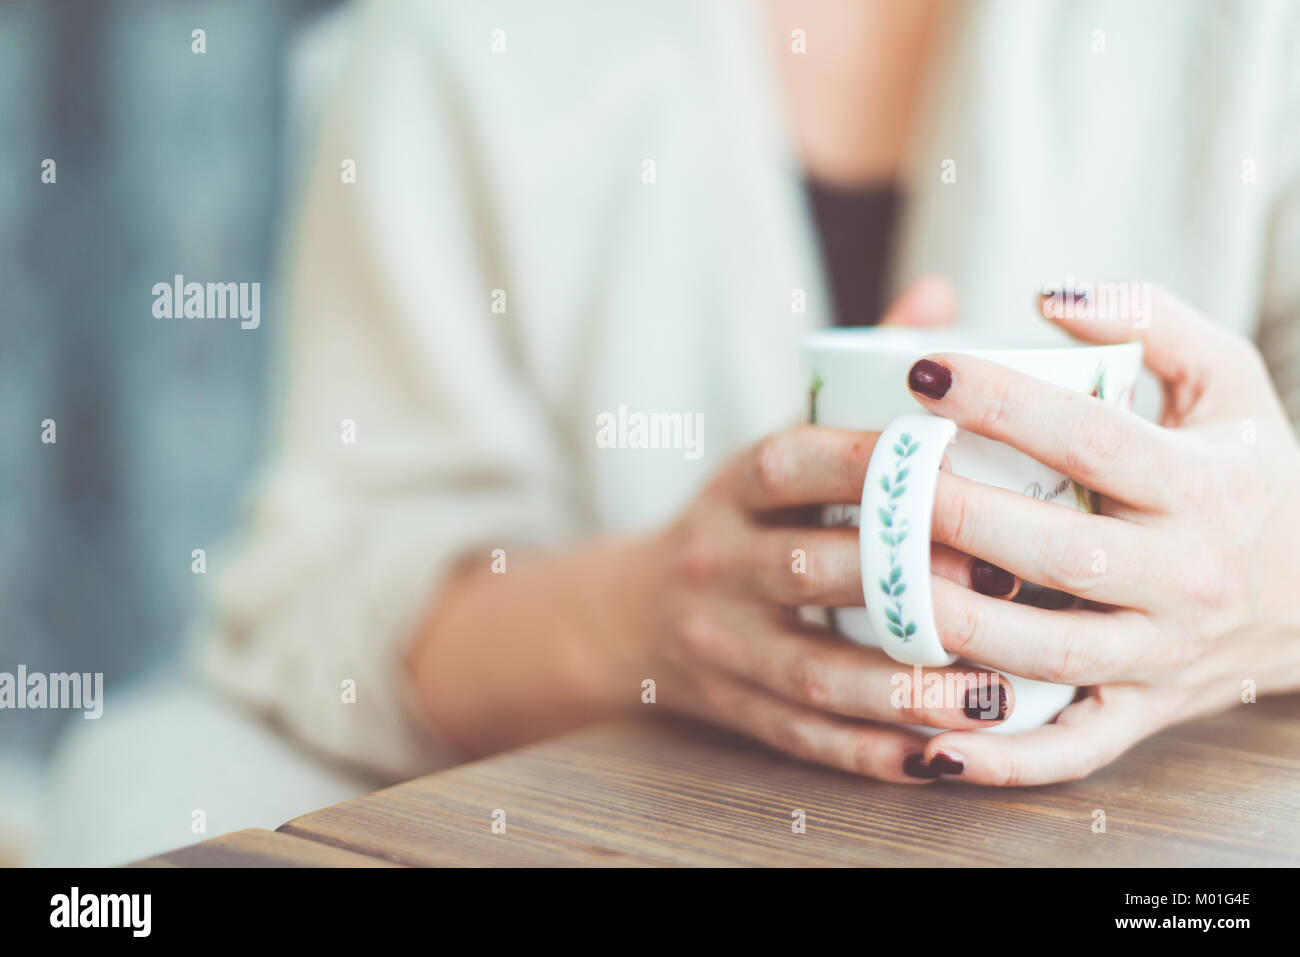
(1219, 792)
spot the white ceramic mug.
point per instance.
(859, 381)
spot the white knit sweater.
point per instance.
(619, 184)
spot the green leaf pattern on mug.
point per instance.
(893, 531)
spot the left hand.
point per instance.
(1190, 575)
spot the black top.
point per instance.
(855, 226)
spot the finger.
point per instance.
(1066, 646)
(815, 669)
(1097, 557)
(800, 566)
(821, 566)
(1182, 347)
(870, 750)
(808, 465)
(930, 301)
(985, 577)
(1104, 448)
(1087, 735)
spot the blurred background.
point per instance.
(167, 161)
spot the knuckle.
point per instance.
(1061, 663)
(809, 678)
(1205, 488)
(956, 519)
(1002, 405)
(905, 711)
(1217, 583)
(771, 465)
(700, 558)
(1168, 651)
(790, 734)
(697, 632)
(1069, 659)
(1008, 771)
(1094, 447)
(963, 628)
(857, 457)
(865, 753)
(804, 585)
(911, 714)
(1069, 566)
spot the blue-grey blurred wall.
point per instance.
(167, 161)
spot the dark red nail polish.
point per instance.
(948, 762)
(930, 378)
(996, 697)
(914, 766)
(1057, 295)
(990, 580)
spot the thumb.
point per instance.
(930, 301)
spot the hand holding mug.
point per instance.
(860, 379)
(1188, 571)
(723, 632)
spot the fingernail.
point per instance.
(948, 762)
(976, 708)
(914, 766)
(1061, 301)
(1078, 295)
(990, 580)
(930, 378)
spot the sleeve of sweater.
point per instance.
(1278, 336)
(409, 440)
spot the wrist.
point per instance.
(616, 586)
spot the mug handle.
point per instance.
(894, 537)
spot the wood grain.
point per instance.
(1223, 791)
(258, 848)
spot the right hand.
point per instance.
(723, 637)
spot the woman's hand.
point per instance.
(724, 640)
(719, 630)
(1190, 576)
